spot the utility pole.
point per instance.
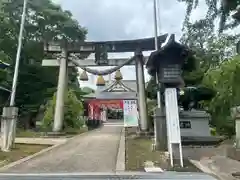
(156, 46)
(157, 124)
(15, 77)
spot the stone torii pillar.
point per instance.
(61, 89)
(141, 90)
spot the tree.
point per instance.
(225, 81)
(45, 21)
(72, 113)
(216, 8)
(210, 49)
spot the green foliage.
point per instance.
(213, 131)
(151, 90)
(72, 113)
(47, 122)
(151, 106)
(87, 90)
(210, 49)
(194, 96)
(216, 9)
(224, 79)
(45, 21)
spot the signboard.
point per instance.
(130, 113)
(173, 127)
(172, 115)
(185, 125)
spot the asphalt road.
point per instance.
(126, 175)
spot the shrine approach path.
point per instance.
(95, 151)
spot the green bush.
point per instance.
(73, 112)
(213, 131)
(224, 80)
(151, 105)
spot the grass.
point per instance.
(68, 132)
(74, 131)
(27, 133)
(139, 150)
(20, 151)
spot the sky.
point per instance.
(127, 19)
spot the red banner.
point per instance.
(94, 107)
(117, 104)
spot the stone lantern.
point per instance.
(166, 65)
(168, 62)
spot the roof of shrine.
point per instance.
(115, 90)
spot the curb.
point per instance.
(205, 169)
(29, 157)
(42, 152)
(120, 163)
(201, 167)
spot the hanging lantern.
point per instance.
(100, 81)
(84, 76)
(118, 75)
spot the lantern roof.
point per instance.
(171, 53)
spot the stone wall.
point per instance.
(194, 123)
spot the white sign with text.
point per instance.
(172, 120)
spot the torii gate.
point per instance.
(76, 54)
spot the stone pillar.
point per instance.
(62, 78)
(8, 120)
(236, 116)
(5, 128)
(12, 132)
(234, 152)
(160, 128)
(141, 91)
(137, 97)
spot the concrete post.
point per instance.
(235, 112)
(9, 118)
(13, 121)
(5, 128)
(141, 90)
(62, 78)
(160, 130)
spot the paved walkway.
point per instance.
(94, 151)
(220, 166)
